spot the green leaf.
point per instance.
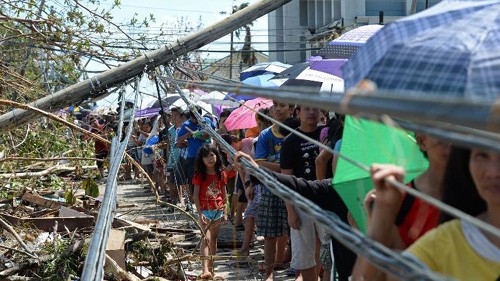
(90, 187)
(70, 197)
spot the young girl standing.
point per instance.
(209, 197)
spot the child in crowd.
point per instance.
(209, 197)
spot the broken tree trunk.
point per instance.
(97, 85)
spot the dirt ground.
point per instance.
(139, 204)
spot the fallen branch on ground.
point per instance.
(10, 229)
(48, 171)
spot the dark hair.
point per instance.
(200, 168)
(225, 113)
(176, 109)
(459, 190)
(264, 111)
(230, 139)
(335, 130)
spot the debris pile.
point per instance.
(42, 237)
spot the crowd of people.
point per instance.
(190, 169)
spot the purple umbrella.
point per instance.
(148, 112)
(331, 66)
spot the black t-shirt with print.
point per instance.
(300, 155)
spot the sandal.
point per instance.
(218, 277)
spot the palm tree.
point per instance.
(247, 55)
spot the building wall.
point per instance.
(389, 7)
(394, 7)
(292, 22)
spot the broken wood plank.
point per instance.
(174, 230)
(34, 198)
(47, 224)
(118, 222)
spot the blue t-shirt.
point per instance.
(193, 143)
(268, 145)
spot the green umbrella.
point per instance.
(369, 142)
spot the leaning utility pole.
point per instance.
(97, 85)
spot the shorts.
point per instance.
(176, 174)
(272, 217)
(303, 243)
(239, 185)
(189, 172)
(252, 209)
(212, 214)
(242, 198)
(101, 155)
(148, 168)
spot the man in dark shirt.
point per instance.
(324, 195)
(298, 158)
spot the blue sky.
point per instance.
(171, 11)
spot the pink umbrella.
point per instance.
(243, 117)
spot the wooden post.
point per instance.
(97, 85)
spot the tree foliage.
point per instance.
(46, 44)
(247, 55)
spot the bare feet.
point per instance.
(205, 275)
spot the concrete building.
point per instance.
(291, 26)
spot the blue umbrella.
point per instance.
(263, 81)
(303, 76)
(263, 68)
(452, 48)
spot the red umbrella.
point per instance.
(243, 117)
